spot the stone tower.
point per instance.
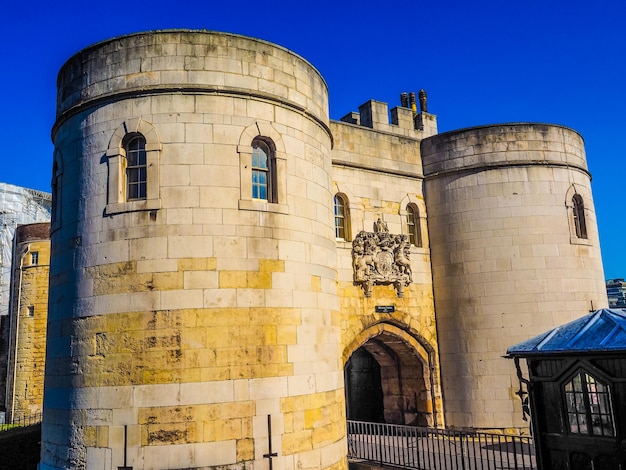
(192, 287)
(28, 315)
(514, 249)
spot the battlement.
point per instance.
(405, 119)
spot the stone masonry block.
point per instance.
(216, 392)
(268, 388)
(190, 247)
(232, 279)
(200, 280)
(215, 453)
(220, 297)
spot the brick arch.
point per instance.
(406, 366)
(132, 125)
(380, 328)
(344, 189)
(416, 201)
(262, 129)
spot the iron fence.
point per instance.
(21, 421)
(440, 449)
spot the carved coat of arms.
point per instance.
(381, 258)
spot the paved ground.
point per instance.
(19, 448)
(442, 453)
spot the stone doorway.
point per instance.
(388, 381)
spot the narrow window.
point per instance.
(340, 218)
(136, 168)
(263, 171)
(413, 225)
(31, 310)
(34, 258)
(579, 216)
(55, 194)
(588, 403)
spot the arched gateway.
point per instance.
(388, 378)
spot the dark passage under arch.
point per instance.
(364, 402)
(385, 383)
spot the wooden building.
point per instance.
(577, 391)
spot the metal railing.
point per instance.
(441, 449)
(21, 421)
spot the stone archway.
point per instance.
(400, 365)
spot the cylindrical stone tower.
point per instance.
(28, 314)
(192, 294)
(515, 251)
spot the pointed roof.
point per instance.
(601, 331)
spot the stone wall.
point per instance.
(377, 168)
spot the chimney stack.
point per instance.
(423, 104)
(413, 103)
(404, 99)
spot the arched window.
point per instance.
(136, 167)
(342, 221)
(588, 406)
(263, 170)
(413, 225)
(579, 216)
(133, 168)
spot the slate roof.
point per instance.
(601, 331)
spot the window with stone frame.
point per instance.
(34, 258)
(342, 217)
(262, 169)
(133, 168)
(413, 225)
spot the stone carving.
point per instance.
(381, 258)
(380, 226)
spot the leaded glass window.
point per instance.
(579, 216)
(588, 403)
(136, 168)
(261, 174)
(340, 218)
(413, 225)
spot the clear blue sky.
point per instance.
(481, 62)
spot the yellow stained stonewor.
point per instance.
(233, 279)
(175, 352)
(272, 265)
(195, 264)
(245, 449)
